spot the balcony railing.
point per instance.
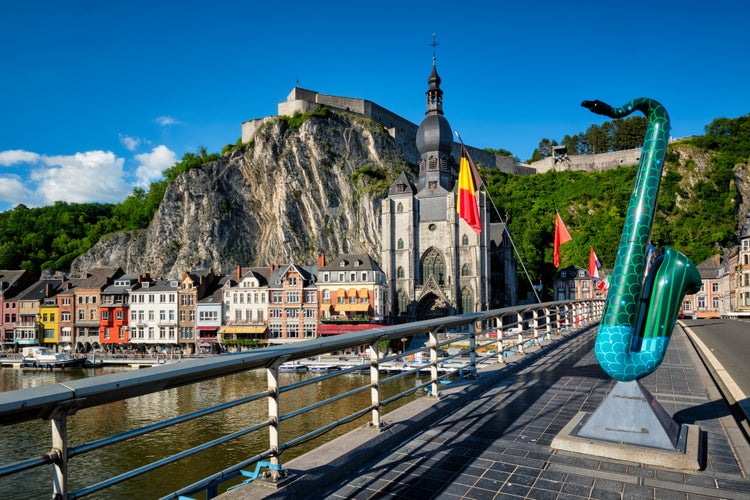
(531, 324)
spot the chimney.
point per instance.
(717, 259)
(239, 272)
(47, 290)
(322, 259)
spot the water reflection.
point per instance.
(32, 439)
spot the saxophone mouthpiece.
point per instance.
(598, 107)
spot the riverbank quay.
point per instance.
(278, 413)
(491, 438)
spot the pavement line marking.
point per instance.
(727, 379)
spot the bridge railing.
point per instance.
(486, 336)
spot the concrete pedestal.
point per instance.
(631, 425)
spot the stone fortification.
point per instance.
(402, 130)
(589, 163)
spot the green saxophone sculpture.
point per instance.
(641, 308)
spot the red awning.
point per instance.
(337, 329)
(206, 328)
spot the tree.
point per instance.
(597, 139)
(628, 133)
(544, 150)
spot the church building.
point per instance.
(435, 263)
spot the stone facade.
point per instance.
(435, 264)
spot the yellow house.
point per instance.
(49, 317)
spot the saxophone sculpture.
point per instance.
(640, 312)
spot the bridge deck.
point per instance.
(491, 438)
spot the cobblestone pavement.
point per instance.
(498, 445)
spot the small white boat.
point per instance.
(45, 358)
(292, 366)
(323, 367)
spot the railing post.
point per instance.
(375, 384)
(500, 347)
(433, 363)
(547, 325)
(535, 323)
(473, 350)
(272, 373)
(60, 452)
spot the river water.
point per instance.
(32, 439)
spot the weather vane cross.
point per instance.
(434, 44)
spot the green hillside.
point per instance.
(697, 208)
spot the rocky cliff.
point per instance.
(291, 193)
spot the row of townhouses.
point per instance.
(109, 309)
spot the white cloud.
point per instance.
(131, 143)
(13, 191)
(167, 120)
(93, 176)
(152, 164)
(16, 156)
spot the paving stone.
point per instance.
(498, 445)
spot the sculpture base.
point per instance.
(631, 425)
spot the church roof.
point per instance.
(402, 185)
(434, 133)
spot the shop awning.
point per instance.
(352, 307)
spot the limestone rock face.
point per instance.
(287, 196)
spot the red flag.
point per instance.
(466, 205)
(561, 236)
(594, 265)
(603, 284)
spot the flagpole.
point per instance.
(497, 212)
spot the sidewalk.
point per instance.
(492, 439)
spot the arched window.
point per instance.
(400, 244)
(464, 240)
(399, 208)
(403, 303)
(465, 270)
(467, 301)
(400, 272)
(433, 265)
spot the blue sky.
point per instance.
(98, 97)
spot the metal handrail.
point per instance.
(56, 402)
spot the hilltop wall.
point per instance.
(402, 130)
(589, 163)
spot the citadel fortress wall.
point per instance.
(404, 133)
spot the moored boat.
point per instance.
(292, 366)
(323, 367)
(45, 358)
